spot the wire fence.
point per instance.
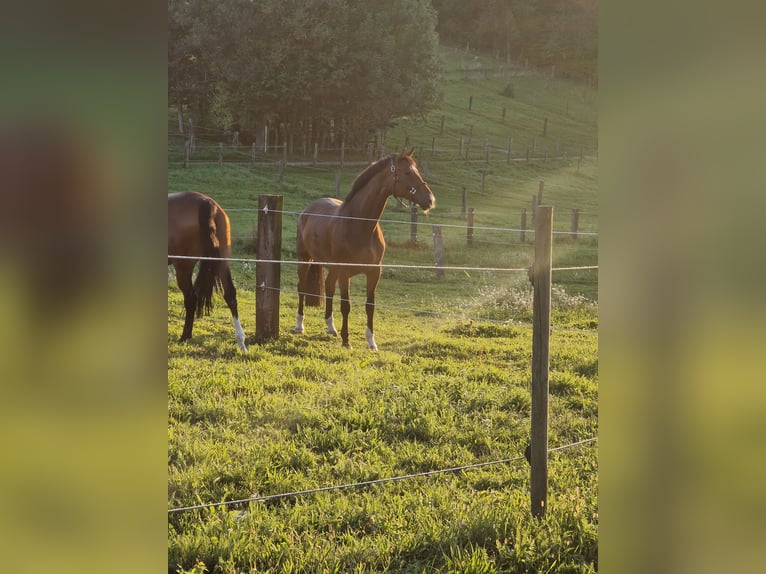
(375, 482)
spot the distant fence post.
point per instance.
(414, 224)
(523, 233)
(469, 229)
(187, 146)
(483, 177)
(316, 153)
(464, 199)
(541, 325)
(545, 127)
(337, 183)
(575, 222)
(438, 251)
(267, 275)
(281, 172)
(470, 103)
(540, 188)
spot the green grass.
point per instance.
(450, 385)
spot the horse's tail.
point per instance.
(313, 285)
(208, 277)
(310, 275)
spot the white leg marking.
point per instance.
(331, 326)
(371, 340)
(298, 324)
(239, 335)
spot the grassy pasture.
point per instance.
(449, 386)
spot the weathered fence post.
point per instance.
(523, 232)
(267, 275)
(470, 103)
(541, 325)
(187, 146)
(574, 223)
(438, 251)
(469, 229)
(414, 224)
(534, 208)
(463, 205)
(540, 188)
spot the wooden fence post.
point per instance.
(540, 192)
(414, 224)
(541, 325)
(316, 152)
(463, 205)
(469, 229)
(470, 103)
(534, 208)
(438, 251)
(523, 233)
(187, 146)
(267, 275)
(574, 223)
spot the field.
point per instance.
(448, 388)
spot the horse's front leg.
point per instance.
(373, 276)
(329, 290)
(344, 280)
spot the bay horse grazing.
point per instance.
(199, 227)
(348, 231)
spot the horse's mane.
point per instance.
(364, 178)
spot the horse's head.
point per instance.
(408, 184)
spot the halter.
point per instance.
(412, 189)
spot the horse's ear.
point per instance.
(411, 150)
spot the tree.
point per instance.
(325, 67)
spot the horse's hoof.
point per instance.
(334, 333)
(372, 347)
(298, 331)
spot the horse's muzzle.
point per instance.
(428, 202)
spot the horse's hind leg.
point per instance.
(184, 269)
(329, 290)
(230, 296)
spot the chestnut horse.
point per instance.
(348, 232)
(199, 227)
